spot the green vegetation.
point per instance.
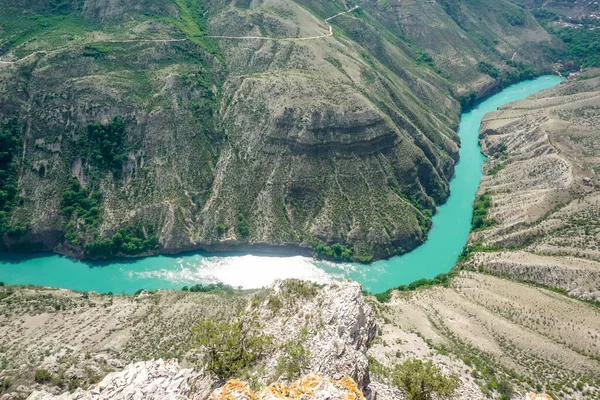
(467, 100)
(295, 288)
(497, 168)
(4, 385)
(242, 226)
(129, 241)
(336, 251)
(418, 380)
(294, 360)
(582, 38)
(480, 209)
(79, 204)
(10, 146)
(43, 376)
(583, 44)
(438, 280)
(95, 50)
(477, 247)
(104, 145)
(489, 69)
(210, 288)
(232, 348)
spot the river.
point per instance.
(438, 254)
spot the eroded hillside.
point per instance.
(139, 127)
(493, 336)
(543, 187)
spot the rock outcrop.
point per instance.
(150, 380)
(334, 326)
(312, 386)
(166, 380)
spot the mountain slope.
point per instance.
(180, 139)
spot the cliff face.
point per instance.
(336, 131)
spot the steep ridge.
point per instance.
(346, 140)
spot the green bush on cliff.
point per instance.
(481, 205)
(418, 380)
(79, 202)
(129, 241)
(336, 251)
(489, 69)
(294, 359)
(438, 280)
(210, 288)
(231, 348)
(10, 146)
(105, 147)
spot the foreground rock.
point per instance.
(312, 386)
(156, 380)
(145, 380)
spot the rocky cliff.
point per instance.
(77, 340)
(144, 127)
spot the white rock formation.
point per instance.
(150, 380)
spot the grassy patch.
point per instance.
(439, 280)
(336, 251)
(496, 169)
(231, 348)
(418, 380)
(480, 221)
(478, 247)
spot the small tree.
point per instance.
(231, 347)
(423, 381)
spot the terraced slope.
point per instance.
(544, 188)
(530, 339)
(140, 129)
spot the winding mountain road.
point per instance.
(215, 37)
(290, 38)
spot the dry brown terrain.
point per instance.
(489, 329)
(546, 194)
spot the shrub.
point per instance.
(231, 347)
(243, 228)
(4, 385)
(481, 205)
(294, 359)
(505, 389)
(423, 381)
(336, 251)
(211, 287)
(293, 288)
(489, 69)
(10, 146)
(43, 376)
(275, 304)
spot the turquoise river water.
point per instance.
(438, 254)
